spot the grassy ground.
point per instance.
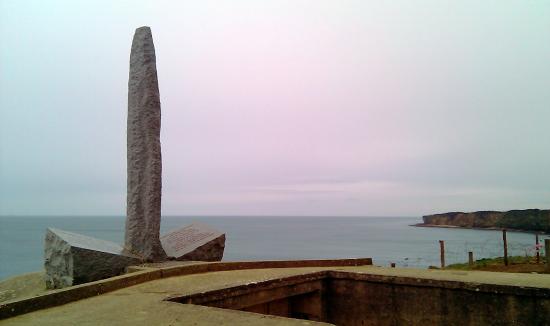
(26, 285)
(516, 264)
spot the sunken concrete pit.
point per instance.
(351, 298)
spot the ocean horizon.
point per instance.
(384, 239)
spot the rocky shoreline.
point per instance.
(423, 225)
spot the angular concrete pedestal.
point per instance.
(197, 241)
(71, 259)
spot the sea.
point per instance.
(385, 239)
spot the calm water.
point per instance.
(387, 239)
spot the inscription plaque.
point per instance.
(183, 241)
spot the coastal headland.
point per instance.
(529, 220)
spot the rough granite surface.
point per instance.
(197, 241)
(210, 251)
(144, 181)
(71, 259)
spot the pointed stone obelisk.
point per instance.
(144, 181)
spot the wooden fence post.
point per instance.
(547, 252)
(442, 252)
(505, 247)
(537, 249)
(470, 258)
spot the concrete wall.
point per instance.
(354, 302)
(347, 298)
(308, 306)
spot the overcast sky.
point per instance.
(378, 108)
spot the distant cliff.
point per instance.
(536, 220)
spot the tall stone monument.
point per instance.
(144, 163)
(71, 258)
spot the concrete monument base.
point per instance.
(196, 241)
(71, 259)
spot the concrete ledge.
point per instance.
(345, 296)
(74, 293)
(445, 284)
(235, 291)
(144, 274)
(230, 266)
(335, 294)
(239, 290)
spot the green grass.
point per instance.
(499, 261)
(488, 262)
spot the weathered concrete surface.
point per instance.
(149, 272)
(144, 163)
(198, 241)
(71, 259)
(144, 303)
(361, 298)
(370, 299)
(295, 296)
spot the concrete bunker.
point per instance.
(350, 298)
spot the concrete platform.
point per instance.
(145, 303)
